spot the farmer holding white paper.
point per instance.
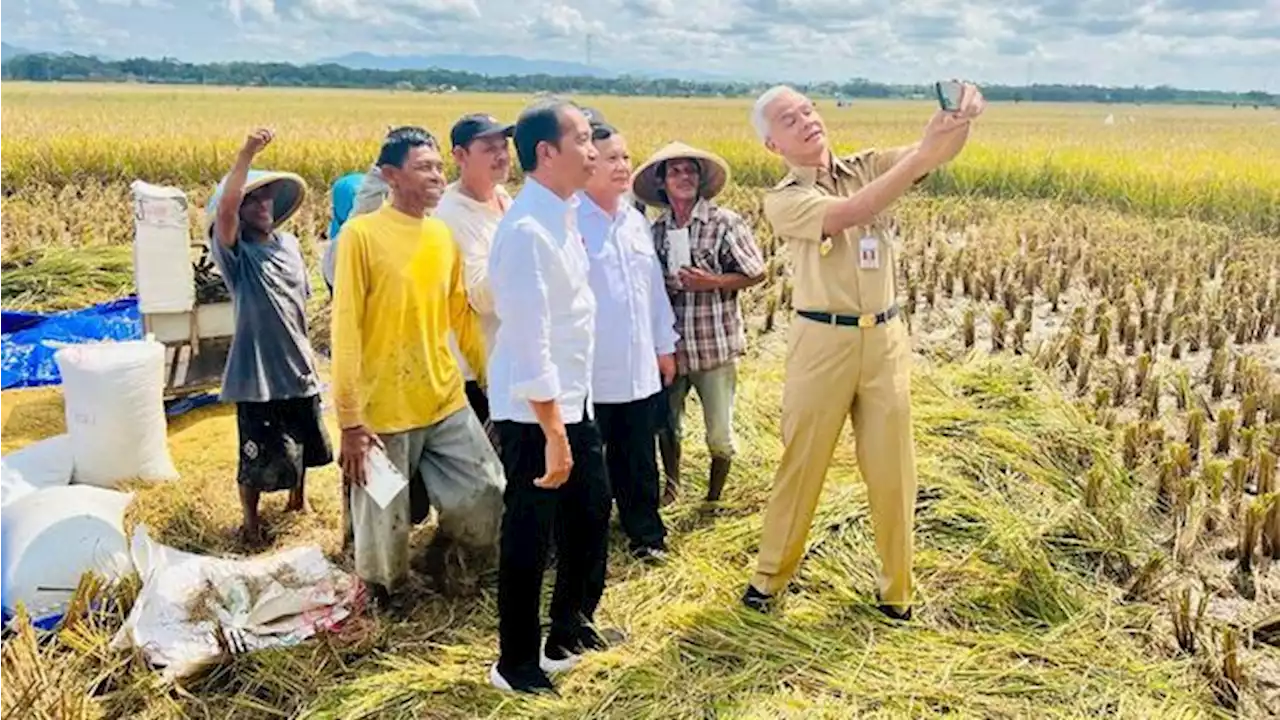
(399, 292)
(709, 256)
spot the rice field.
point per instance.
(1096, 312)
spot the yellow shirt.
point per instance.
(398, 291)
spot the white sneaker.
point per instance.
(496, 679)
(550, 666)
(537, 682)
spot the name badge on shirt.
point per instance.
(869, 253)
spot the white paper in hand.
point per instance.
(382, 480)
(678, 253)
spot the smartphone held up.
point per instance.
(949, 94)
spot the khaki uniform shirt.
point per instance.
(828, 276)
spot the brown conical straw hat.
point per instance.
(715, 173)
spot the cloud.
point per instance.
(562, 21)
(1204, 43)
(650, 8)
(137, 3)
(263, 9)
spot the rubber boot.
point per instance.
(670, 450)
(719, 473)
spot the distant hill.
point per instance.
(491, 65)
(8, 51)
(514, 74)
(511, 66)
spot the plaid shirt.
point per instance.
(710, 324)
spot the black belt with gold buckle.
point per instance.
(862, 321)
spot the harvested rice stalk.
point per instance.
(1195, 431)
(1104, 337)
(1141, 374)
(1020, 330)
(1249, 410)
(1186, 621)
(1166, 486)
(1182, 390)
(970, 329)
(1213, 478)
(1226, 422)
(1082, 377)
(1239, 478)
(1151, 406)
(1147, 579)
(1231, 682)
(1249, 531)
(999, 318)
(1132, 446)
(1217, 374)
(1240, 378)
(1121, 385)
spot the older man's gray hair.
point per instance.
(758, 120)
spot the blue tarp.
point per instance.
(27, 356)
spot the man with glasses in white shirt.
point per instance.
(540, 401)
(635, 340)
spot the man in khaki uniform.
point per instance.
(848, 349)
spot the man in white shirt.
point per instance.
(596, 118)
(540, 401)
(635, 341)
(472, 207)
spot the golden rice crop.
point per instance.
(1212, 163)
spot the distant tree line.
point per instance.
(71, 68)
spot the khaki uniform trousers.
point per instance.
(834, 372)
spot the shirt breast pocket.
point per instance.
(643, 257)
(706, 259)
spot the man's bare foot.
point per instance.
(298, 504)
(253, 537)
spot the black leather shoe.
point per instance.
(756, 600)
(589, 638)
(893, 611)
(650, 555)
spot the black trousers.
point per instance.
(478, 400)
(576, 514)
(629, 431)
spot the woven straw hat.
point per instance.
(714, 172)
(290, 191)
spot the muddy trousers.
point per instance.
(463, 480)
(834, 373)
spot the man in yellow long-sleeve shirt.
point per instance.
(399, 291)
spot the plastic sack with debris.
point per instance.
(193, 607)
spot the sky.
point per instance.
(1209, 44)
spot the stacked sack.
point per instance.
(62, 514)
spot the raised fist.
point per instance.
(257, 140)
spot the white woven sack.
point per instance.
(162, 249)
(114, 397)
(52, 536)
(42, 464)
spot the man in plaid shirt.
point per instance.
(709, 256)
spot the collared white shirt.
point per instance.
(545, 308)
(473, 224)
(634, 321)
